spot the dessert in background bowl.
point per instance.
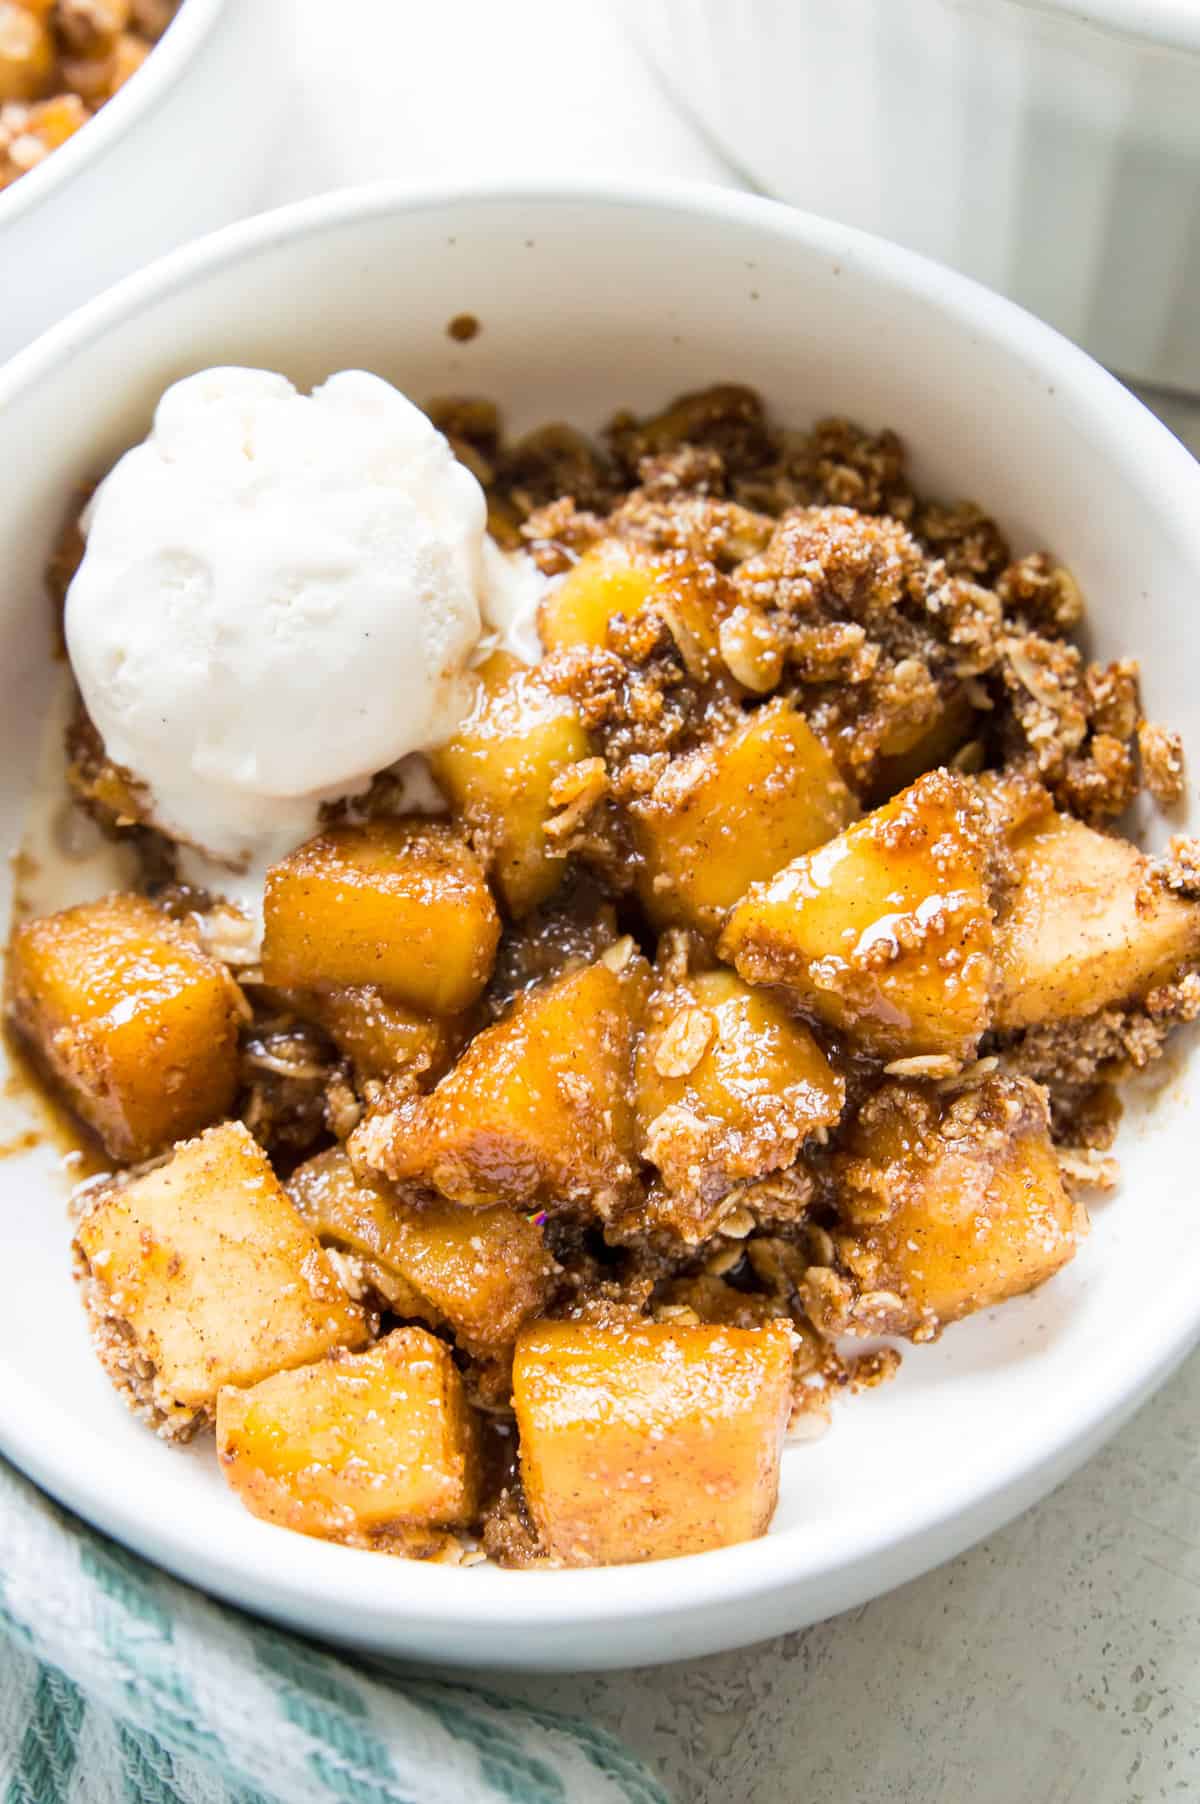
(723, 592)
(60, 62)
(104, 105)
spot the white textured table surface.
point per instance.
(1059, 1663)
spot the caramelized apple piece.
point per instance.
(886, 932)
(26, 53)
(90, 28)
(1085, 926)
(950, 1203)
(647, 1440)
(484, 1271)
(612, 578)
(127, 58)
(132, 1017)
(902, 761)
(55, 120)
(537, 1109)
(498, 772)
(728, 1086)
(382, 1038)
(618, 578)
(401, 905)
(732, 813)
(201, 1273)
(357, 1447)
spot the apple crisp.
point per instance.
(763, 988)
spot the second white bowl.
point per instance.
(1050, 148)
(176, 152)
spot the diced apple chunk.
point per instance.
(619, 578)
(644, 1441)
(950, 1203)
(132, 1017)
(27, 56)
(537, 1109)
(498, 770)
(382, 1038)
(201, 1274)
(728, 1087)
(886, 932)
(925, 748)
(734, 812)
(402, 905)
(1084, 928)
(357, 1447)
(483, 1271)
(612, 578)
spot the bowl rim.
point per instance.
(1169, 24)
(345, 1584)
(146, 91)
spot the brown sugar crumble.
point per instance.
(1162, 763)
(796, 961)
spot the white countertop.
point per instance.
(1058, 1663)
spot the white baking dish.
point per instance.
(1050, 148)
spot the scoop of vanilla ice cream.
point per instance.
(281, 594)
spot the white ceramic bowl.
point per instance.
(175, 152)
(589, 299)
(1048, 147)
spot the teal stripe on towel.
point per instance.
(50, 1743)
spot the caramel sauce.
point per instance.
(81, 1154)
(26, 870)
(21, 1143)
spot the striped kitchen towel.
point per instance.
(120, 1686)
